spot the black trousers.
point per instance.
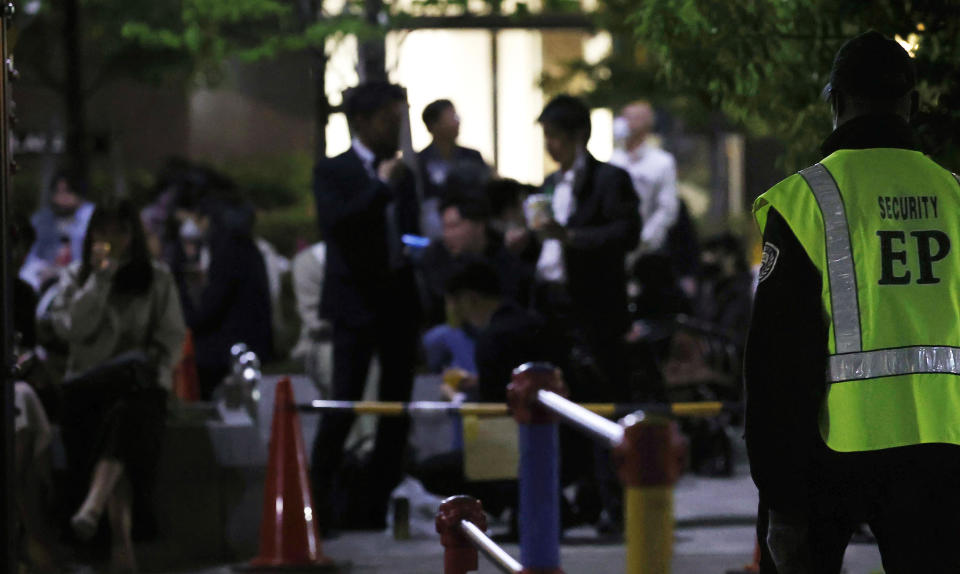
(393, 336)
(597, 372)
(911, 506)
(114, 411)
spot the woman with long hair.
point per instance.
(120, 314)
(234, 305)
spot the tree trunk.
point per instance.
(372, 54)
(312, 11)
(77, 159)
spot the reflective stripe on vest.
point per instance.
(843, 280)
(850, 364)
(891, 362)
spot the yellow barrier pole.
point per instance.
(701, 409)
(695, 409)
(650, 460)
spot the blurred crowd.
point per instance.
(427, 264)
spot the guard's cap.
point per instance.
(873, 67)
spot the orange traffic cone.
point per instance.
(186, 384)
(288, 533)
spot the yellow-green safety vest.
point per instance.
(882, 227)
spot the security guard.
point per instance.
(852, 365)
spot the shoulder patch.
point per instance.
(768, 261)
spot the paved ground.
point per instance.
(714, 535)
(714, 531)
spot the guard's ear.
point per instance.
(837, 106)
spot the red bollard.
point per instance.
(528, 379)
(653, 452)
(459, 554)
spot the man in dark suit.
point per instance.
(443, 155)
(444, 164)
(593, 223)
(366, 200)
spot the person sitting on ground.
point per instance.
(60, 227)
(725, 287)
(234, 305)
(120, 315)
(32, 431)
(505, 336)
(159, 217)
(502, 334)
(315, 345)
(182, 243)
(467, 234)
(34, 481)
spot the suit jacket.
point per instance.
(462, 156)
(605, 226)
(352, 212)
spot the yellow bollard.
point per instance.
(649, 461)
(648, 517)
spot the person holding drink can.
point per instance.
(588, 218)
(119, 315)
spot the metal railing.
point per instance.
(591, 423)
(497, 556)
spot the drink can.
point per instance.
(401, 518)
(538, 210)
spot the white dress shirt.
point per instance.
(550, 266)
(366, 156)
(654, 175)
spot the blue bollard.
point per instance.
(539, 475)
(539, 496)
